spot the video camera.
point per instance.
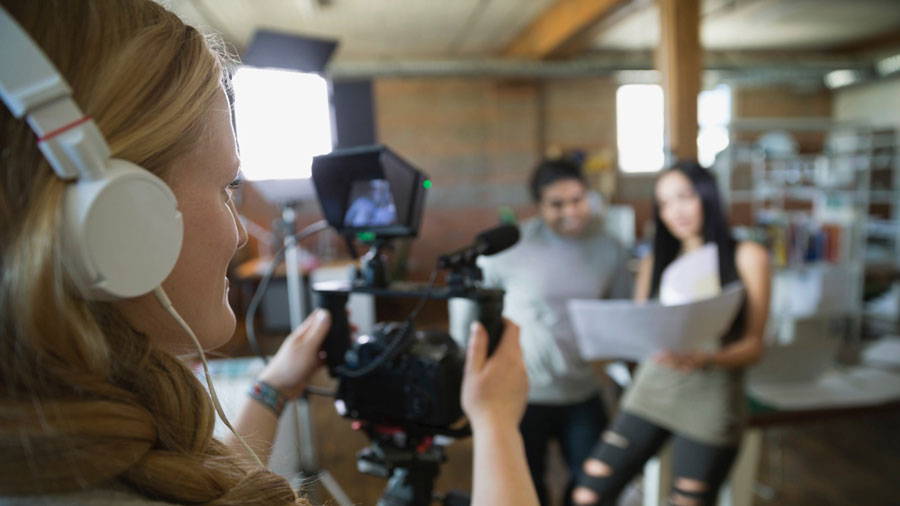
(403, 384)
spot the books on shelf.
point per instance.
(797, 239)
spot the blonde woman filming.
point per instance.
(95, 406)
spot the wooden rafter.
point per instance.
(560, 24)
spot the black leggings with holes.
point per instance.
(632, 440)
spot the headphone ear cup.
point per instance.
(122, 233)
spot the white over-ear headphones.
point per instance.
(122, 230)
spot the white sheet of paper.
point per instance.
(624, 329)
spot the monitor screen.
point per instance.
(370, 189)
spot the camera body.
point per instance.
(418, 386)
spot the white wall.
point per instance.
(877, 103)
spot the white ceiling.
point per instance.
(764, 24)
(371, 29)
(435, 29)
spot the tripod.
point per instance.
(310, 474)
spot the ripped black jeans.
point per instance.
(699, 468)
(575, 426)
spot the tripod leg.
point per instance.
(333, 488)
(310, 472)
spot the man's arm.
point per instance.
(622, 286)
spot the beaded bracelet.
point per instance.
(268, 396)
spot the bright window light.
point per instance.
(841, 78)
(889, 65)
(639, 127)
(713, 116)
(283, 119)
(639, 110)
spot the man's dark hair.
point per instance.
(550, 171)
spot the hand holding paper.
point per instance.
(624, 329)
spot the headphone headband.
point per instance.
(31, 86)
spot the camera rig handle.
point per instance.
(337, 342)
(490, 314)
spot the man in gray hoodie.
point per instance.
(563, 254)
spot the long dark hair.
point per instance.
(715, 227)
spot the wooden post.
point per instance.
(679, 61)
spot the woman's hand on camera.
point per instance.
(495, 388)
(298, 357)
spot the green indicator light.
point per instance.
(366, 236)
(427, 184)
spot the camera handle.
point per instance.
(490, 314)
(337, 342)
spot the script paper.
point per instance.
(627, 330)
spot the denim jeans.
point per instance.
(575, 426)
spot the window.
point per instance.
(639, 126)
(283, 119)
(713, 116)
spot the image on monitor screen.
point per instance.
(371, 204)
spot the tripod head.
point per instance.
(410, 462)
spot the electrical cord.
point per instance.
(401, 337)
(415, 313)
(309, 231)
(255, 302)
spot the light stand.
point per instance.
(310, 472)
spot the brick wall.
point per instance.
(479, 138)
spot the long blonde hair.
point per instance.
(86, 399)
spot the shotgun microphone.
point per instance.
(488, 242)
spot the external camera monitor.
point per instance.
(370, 189)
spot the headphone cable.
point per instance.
(249, 326)
(167, 304)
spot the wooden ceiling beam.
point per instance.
(559, 25)
(889, 41)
